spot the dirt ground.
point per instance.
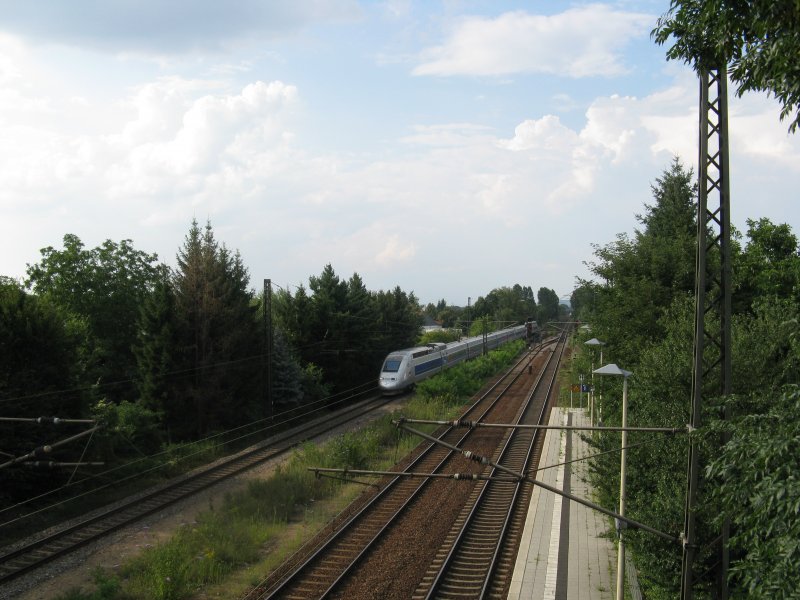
(76, 570)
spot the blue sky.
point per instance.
(446, 147)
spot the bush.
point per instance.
(440, 335)
(465, 379)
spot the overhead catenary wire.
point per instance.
(187, 371)
(473, 424)
(523, 477)
(53, 464)
(589, 457)
(323, 404)
(322, 471)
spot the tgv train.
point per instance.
(403, 368)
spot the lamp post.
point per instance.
(593, 343)
(612, 369)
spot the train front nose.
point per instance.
(389, 383)
(390, 379)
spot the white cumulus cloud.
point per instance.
(579, 42)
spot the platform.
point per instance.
(563, 554)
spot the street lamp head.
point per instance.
(594, 342)
(612, 369)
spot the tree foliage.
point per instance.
(582, 301)
(217, 344)
(447, 315)
(105, 286)
(642, 305)
(156, 345)
(41, 368)
(548, 305)
(506, 305)
(769, 266)
(344, 329)
(759, 39)
(756, 478)
(640, 276)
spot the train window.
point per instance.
(392, 364)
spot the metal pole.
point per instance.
(600, 403)
(47, 448)
(591, 396)
(269, 349)
(622, 475)
(267, 318)
(712, 297)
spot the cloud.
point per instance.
(155, 26)
(181, 146)
(546, 135)
(580, 42)
(761, 135)
(445, 196)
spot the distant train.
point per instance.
(404, 368)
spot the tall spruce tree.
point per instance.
(217, 341)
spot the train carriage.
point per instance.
(402, 369)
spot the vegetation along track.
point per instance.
(354, 556)
(33, 555)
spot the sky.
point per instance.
(449, 148)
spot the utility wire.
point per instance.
(323, 402)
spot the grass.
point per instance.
(230, 549)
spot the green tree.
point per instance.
(548, 305)
(656, 479)
(328, 318)
(639, 277)
(104, 286)
(448, 316)
(40, 373)
(643, 307)
(343, 330)
(756, 483)
(287, 377)
(759, 39)
(399, 320)
(582, 301)
(769, 266)
(506, 305)
(217, 342)
(156, 346)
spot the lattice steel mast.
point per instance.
(711, 373)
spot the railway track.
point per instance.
(37, 553)
(477, 560)
(327, 569)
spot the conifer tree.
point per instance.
(217, 340)
(155, 348)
